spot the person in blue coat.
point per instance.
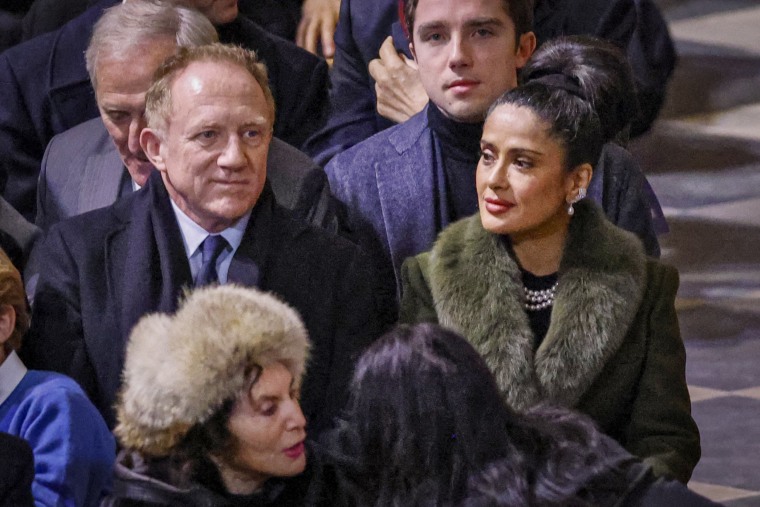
(73, 449)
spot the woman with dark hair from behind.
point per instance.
(426, 425)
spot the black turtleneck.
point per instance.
(460, 149)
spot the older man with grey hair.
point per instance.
(206, 215)
(45, 89)
(98, 161)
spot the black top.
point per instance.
(460, 148)
(538, 319)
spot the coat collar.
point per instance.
(413, 209)
(476, 286)
(155, 264)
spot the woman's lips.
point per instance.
(497, 206)
(294, 452)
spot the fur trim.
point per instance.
(477, 289)
(180, 369)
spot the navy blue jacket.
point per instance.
(105, 269)
(45, 90)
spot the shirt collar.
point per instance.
(193, 234)
(11, 372)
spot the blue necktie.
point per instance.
(212, 247)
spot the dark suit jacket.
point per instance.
(45, 90)
(109, 267)
(17, 236)
(17, 465)
(81, 171)
(362, 27)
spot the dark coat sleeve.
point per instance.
(359, 322)
(21, 145)
(56, 339)
(352, 117)
(329, 281)
(47, 15)
(624, 197)
(10, 30)
(300, 185)
(661, 429)
(17, 465)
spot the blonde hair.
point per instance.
(158, 101)
(12, 294)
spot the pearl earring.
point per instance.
(581, 195)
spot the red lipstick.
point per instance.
(496, 206)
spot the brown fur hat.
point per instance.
(180, 369)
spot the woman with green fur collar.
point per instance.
(564, 306)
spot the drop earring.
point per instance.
(581, 195)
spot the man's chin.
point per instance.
(140, 172)
(466, 112)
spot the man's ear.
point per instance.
(7, 323)
(525, 49)
(150, 142)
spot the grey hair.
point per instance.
(126, 26)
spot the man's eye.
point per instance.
(251, 134)
(207, 134)
(432, 37)
(117, 116)
(483, 32)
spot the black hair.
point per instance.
(571, 119)
(519, 11)
(426, 424)
(602, 72)
(191, 460)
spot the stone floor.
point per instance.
(703, 159)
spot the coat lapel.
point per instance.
(101, 181)
(248, 265)
(406, 187)
(477, 288)
(601, 285)
(155, 268)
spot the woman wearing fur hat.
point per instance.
(208, 413)
(564, 306)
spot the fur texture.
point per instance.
(180, 369)
(477, 288)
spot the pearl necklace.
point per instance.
(539, 299)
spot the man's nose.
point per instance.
(232, 156)
(136, 126)
(459, 55)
